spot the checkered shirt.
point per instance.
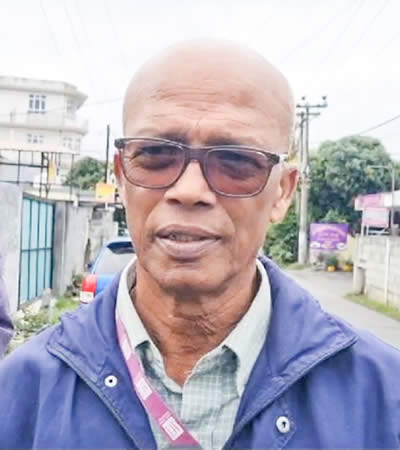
(208, 401)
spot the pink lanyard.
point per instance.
(171, 426)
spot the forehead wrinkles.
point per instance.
(234, 100)
(211, 81)
(203, 115)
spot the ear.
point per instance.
(120, 178)
(286, 190)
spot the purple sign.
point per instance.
(328, 236)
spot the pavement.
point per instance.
(330, 290)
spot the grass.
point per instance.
(63, 304)
(387, 310)
(32, 324)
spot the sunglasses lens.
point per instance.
(151, 163)
(237, 172)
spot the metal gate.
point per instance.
(36, 259)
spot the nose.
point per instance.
(191, 189)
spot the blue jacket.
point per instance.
(334, 386)
(6, 326)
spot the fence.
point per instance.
(36, 257)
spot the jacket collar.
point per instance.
(300, 336)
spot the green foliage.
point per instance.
(281, 241)
(32, 324)
(340, 171)
(64, 304)
(86, 173)
(331, 260)
(348, 261)
(333, 216)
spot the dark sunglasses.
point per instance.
(230, 170)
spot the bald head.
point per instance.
(204, 75)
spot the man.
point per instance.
(198, 343)
(6, 327)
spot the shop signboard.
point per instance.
(328, 236)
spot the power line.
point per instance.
(344, 63)
(342, 32)
(379, 125)
(115, 36)
(386, 45)
(265, 22)
(367, 28)
(52, 36)
(311, 37)
(78, 45)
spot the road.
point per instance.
(330, 288)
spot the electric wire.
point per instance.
(310, 38)
(78, 45)
(379, 125)
(115, 36)
(342, 32)
(51, 32)
(367, 28)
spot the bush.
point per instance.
(331, 260)
(281, 241)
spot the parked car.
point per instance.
(112, 258)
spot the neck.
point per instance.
(186, 329)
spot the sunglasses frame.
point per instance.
(199, 154)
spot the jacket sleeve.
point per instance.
(21, 393)
(6, 326)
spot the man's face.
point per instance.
(163, 223)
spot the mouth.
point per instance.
(181, 242)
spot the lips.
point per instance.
(185, 233)
(186, 242)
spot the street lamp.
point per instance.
(392, 168)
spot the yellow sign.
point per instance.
(105, 192)
(52, 172)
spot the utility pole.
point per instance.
(107, 154)
(306, 111)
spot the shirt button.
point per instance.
(283, 424)
(111, 381)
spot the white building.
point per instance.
(40, 116)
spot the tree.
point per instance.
(281, 240)
(86, 173)
(340, 171)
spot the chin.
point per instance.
(187, 279)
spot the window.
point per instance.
(67, 142)
(37, 103)
(77, 144)
(35, 139)
(70, 106)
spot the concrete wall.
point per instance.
(74, 228)
(10, 237)
(379, 258)
(71, 234)
(102, 228)
(79, 234)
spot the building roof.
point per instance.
(42, 86)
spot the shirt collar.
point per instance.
(245, 340)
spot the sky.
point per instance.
(347, 50)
